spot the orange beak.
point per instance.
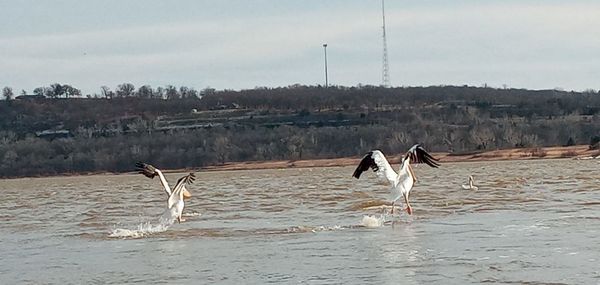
(186, 194)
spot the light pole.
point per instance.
(326, 80)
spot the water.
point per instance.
(530, 222)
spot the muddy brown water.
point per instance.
(530, 222)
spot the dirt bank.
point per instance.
(575, 152)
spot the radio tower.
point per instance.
(385, 72)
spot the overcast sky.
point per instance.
(228, 44)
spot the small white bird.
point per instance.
(175, 200)
(470, 186)
(401, 182)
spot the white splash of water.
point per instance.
(142, 230)
(147, 228)
(324, 228)
(372, 221)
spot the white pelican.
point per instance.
(403, 181)
(151, 171)
(175, 203)
(470, 186)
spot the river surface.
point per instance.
(530, 222)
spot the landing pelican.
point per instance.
(401, 182)
(470, 186)
(175, 201)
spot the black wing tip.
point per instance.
(418, 153)
(188, 179)
(145, 169)
(365, 163)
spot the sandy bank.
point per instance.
(574, 152)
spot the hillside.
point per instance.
(48, 136)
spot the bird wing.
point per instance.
(376, 161)
(179, 188)
(150, 172)
(418, 154)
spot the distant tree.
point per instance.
(171, 92)
(186, 92)
(222, 148)
(159, 93)
(70, 91)
(145, 91)
(56, 90)
(125, 90)
(106, 92)
(23, 92)
(41, 91)
(7, 92)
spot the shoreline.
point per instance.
(581, 152)
(553, 152)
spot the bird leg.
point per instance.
(408, 207)
(393, 202)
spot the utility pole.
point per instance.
(326, 79)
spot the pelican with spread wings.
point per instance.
(175, 200)
(403, 181)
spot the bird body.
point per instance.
(471, 185)
(401, 182)
(176, 202)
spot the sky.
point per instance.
(235, 44)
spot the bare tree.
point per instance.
(106, 92)
(125, 90)
(145, 91)
(7, 92)
(56, 90)
(41, 91)
(171, 92)
(70, 91)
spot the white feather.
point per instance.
(385, 169)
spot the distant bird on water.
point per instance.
(470, 186)
(403, 181)
(175, 200)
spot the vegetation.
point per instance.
(59, 131)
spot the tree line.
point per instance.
(125, 90)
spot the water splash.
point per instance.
(142, 230)
(147, 228)
(370, 221)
